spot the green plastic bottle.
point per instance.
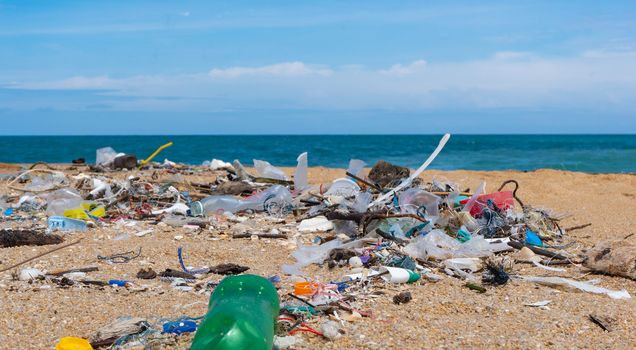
(241, 315)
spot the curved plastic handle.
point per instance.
(147, 160)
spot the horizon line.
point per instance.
(335, 134)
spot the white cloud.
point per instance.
(72, 83)
(285, 69)
(511, 55)
(589, 80)
(400, 70)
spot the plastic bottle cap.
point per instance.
(413, 276)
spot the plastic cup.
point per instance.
(398, 275)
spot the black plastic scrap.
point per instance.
(228, 269)
(495, 274)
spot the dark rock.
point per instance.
(177, 274)
(402, 298)
(384, 173)
(228, 269)
(146, 274)
(127, 161)
(339, 254)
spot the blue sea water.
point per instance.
(588, 153)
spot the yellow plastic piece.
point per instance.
(73, 343)
(80, 212)
(147, 160)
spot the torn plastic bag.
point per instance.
(360, 203)
(307, 255)
(419, 202)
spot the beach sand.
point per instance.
(441, 315)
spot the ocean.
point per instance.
(586, 153)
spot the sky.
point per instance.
(317, 67)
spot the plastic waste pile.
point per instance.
(385, 227)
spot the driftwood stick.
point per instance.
(40, 255)
(368, 183)
(544, 252)
(578, 227)
(81, 269)
(260, 235)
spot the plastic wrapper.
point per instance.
(266, 170)
(343, 187)
(105, 156)
(46, 182)
(300, 176)
(307, 255)
(63, 199)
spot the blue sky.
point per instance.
(210, 67)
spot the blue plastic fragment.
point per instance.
(118, 283)
(533, 239)
(463, 236)
(179, 327)
(341, 285)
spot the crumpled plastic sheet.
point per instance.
(307, 255)
(266, 170)
(438, 245)
(300, 176)
(572, 284)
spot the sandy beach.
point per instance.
(441, 315)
